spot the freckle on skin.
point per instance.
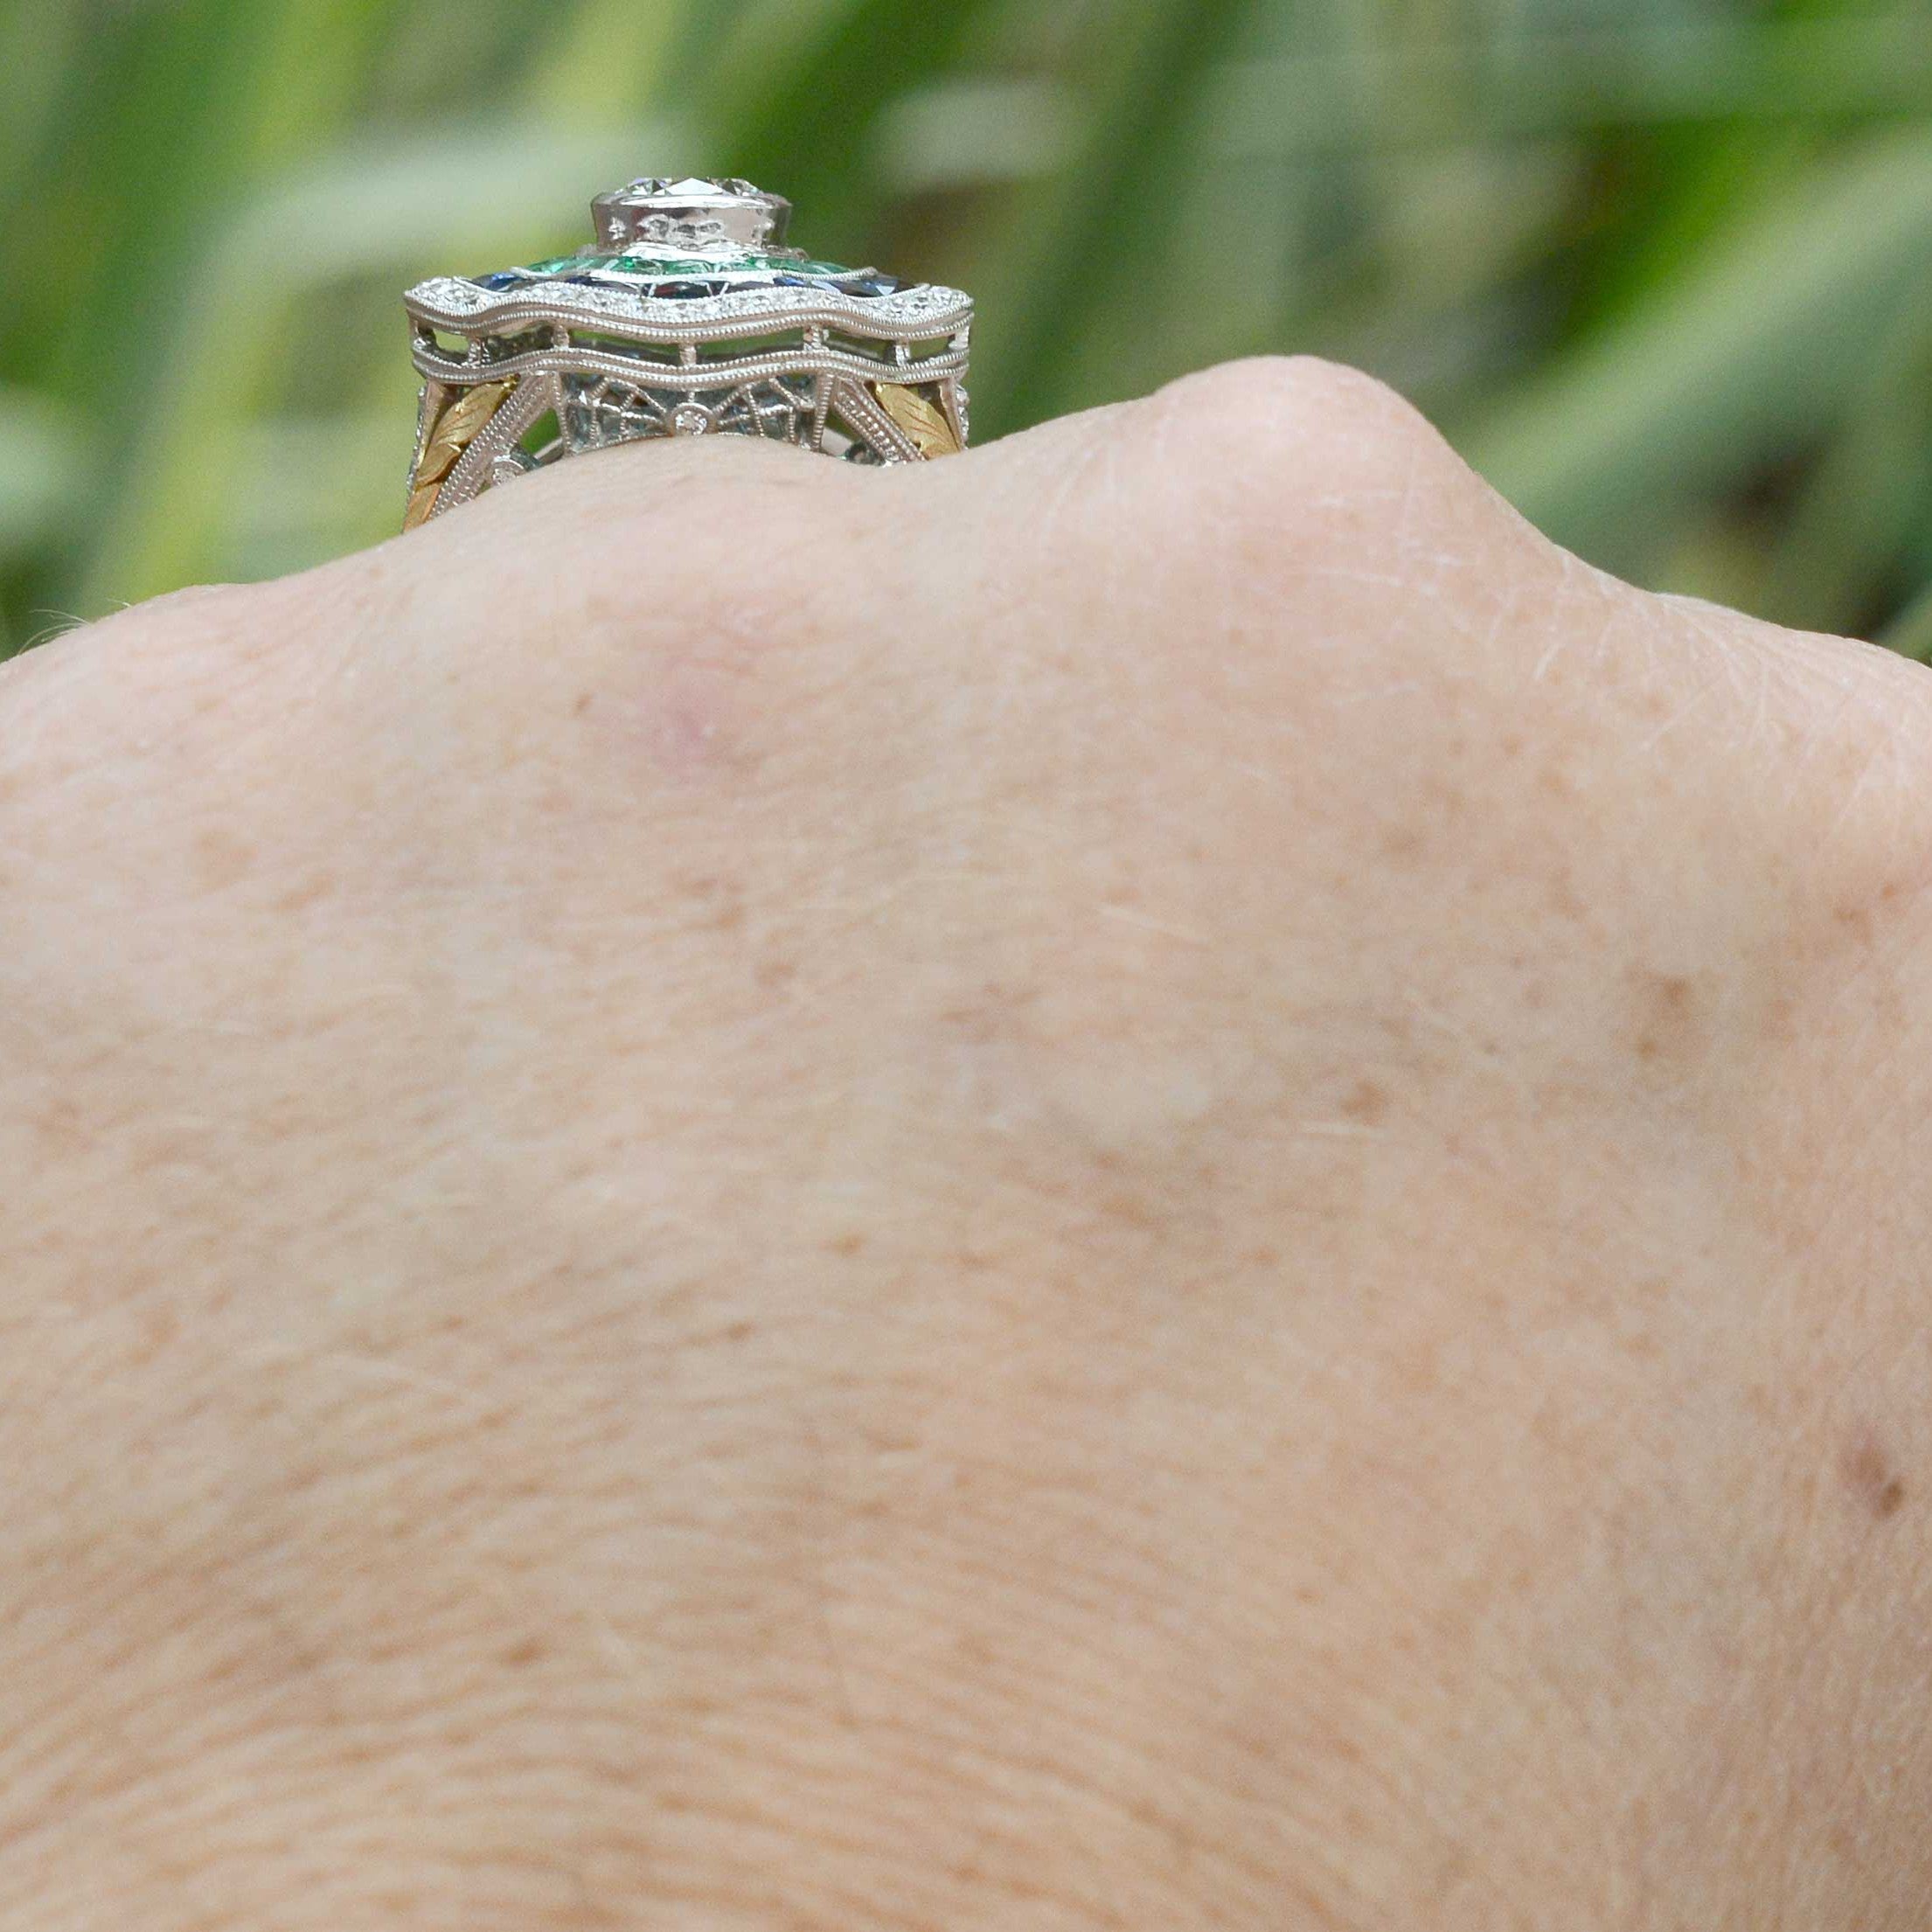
(1448, 803)
(63, 1129)
(727, 911)
(1669, 1022)
(1368, 1103)
(1127, 1209)
(1564, 901)
(313, 890)
(1872, 1479)
(221, 859)
(159, 1332)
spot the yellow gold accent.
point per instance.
(445, 436)
(926, 423)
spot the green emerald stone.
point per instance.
(570, 265)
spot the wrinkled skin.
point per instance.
(1154, 1181)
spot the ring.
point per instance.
(685, 318)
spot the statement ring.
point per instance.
(685, 318)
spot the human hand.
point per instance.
(1152, 1181)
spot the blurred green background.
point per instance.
(1662, 268)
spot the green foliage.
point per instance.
(1663, 267)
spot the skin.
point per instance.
(1165, 1183)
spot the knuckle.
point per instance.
(1295, 423)
(1308, 500)
(1303, 387)
(1291, 472)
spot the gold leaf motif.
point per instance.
(444, 442)
(422, 500)
(928, 426)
